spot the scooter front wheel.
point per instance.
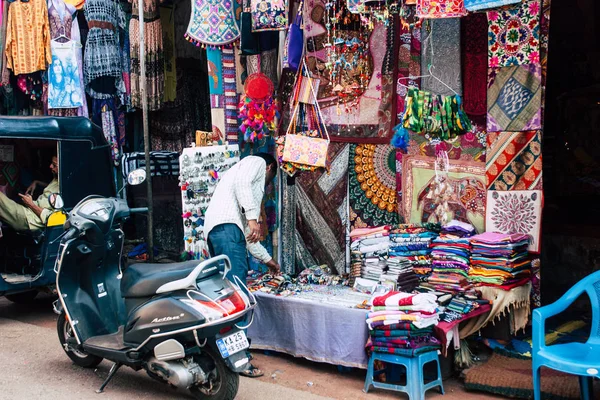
(79, 357)
(222, 384)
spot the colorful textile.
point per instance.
(441, 8)
(321, 211)
(474, 37)
(468, 147)
(476, 5)
(372, 185)
(268, 15)
(514, 160)
(461, 196)
(27, 45)
(514, 35)
(212, 23)
(518, 211)
(394, 298)
(514, 98)
(405, 352)
(65, 90)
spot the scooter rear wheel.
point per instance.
(224, 382)
(79, 357)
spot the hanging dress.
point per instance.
(155, 61)
(60, 16)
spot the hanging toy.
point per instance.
(258, 110)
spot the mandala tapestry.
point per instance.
(372, 183)
(459, 194)
(514, 98)
(514, 35)
(514, 160)
(517, 211)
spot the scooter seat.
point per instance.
(143, 280)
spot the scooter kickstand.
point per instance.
(113, 370)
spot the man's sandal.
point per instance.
(252, 372)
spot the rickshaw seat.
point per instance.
(34, 237)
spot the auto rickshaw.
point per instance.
(85, 167)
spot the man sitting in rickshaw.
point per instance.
(34, 213)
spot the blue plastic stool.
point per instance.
(415, 383)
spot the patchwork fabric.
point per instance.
(514, 98)
(514, 35)
(268, 15)
(441, 8)
(517, 211)
(460, 196)
(372, 183)
(477, 5)
(213, 23)
(514, 160)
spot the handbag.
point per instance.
(268, 15)
(309, 147)
(294, 42)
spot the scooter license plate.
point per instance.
(232, 344)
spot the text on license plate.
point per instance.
(232, 344)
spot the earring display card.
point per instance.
(201, 168)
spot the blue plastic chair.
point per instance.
(415, 383)
(582, 359)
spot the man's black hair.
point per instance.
(269, 159)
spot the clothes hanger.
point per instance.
(65, 44)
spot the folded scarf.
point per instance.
(394, 298)
(401, 333)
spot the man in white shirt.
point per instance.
(231, 220)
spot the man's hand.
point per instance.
(31, 189)
(273, 267)
(254, 234)
(27, 200)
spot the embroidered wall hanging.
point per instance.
(476, 5)
(213, 23)
(514, 98)
(441, 8)
(514, 35)
(517, 211)
(468, 147)
(268, 15)
(441, 49)
(514, 160)
(372, 170)
(370, 121)
(460, 195)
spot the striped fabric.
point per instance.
(231, 97)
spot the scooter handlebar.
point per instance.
(139, 210)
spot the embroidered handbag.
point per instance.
(268, 15)
(308, 147)
(294, 42)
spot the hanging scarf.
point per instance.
(436, 115)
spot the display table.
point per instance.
(317, 326)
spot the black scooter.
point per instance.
(179, 322)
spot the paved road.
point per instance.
(34, 366)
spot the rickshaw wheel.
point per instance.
(23, 297)
(79, 357)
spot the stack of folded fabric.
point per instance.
(499, 259)
(460, 306)
(402, 323)
(451, 258)
(369, 247)
(410, 249)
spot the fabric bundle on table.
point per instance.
(410, 247)
(402, 323)
(499, 259)
(457, 229)
(369, 251)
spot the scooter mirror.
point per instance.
(56, 201)
(136, 177)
